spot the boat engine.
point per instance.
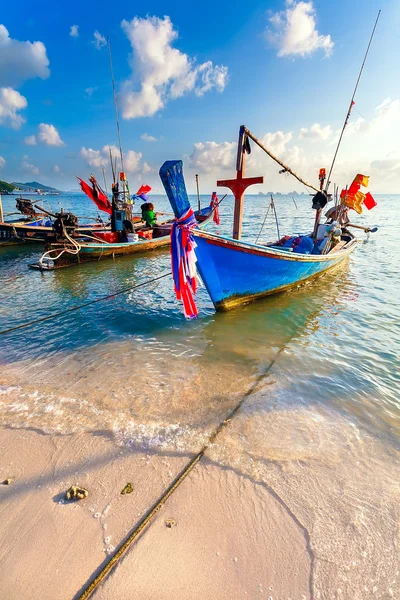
(25, 207)
(65, 222)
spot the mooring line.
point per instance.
(61, 313)
(129, 540)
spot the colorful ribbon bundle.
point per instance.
(214, 206)
(183, 260)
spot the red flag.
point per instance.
(354, 188)
(369, 201)
(144, 189)
(96, 194)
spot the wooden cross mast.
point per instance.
(240, 184)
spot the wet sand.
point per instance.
(49, 548)
(230, 537)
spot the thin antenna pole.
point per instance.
(112, 165)
(105, 180)
(198, 194)
(351, 102)
(115, 104)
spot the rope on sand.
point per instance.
(130, 539)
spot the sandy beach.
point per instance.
(280, 528)
(229, 537)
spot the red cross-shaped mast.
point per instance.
(239, 185)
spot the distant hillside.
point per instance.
(33, 186)
(6, 187)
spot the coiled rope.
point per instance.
(61, 313)
(76, 248)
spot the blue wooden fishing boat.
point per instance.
(237, 272)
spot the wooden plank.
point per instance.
(338, 247)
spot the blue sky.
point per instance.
(188, 76)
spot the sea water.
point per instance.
(321, 425)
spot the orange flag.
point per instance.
(361, 179)
(355, 202)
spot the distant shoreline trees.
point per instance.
(6, 188)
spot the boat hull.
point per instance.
(17, 233)
(95, 251)
(236, 273)
(92, 251)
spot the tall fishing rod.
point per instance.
(351, 103)
(115, 104)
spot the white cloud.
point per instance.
(315, 132)
(30, 140)
(210, 77)
(208, 156)
(56, 169)
(21, 60)
(387, 164)
(132, 161)
(277, 141)
(294, 33)
(165, 72)
(2, 162)
(387, 115)
(74, 31)
(29, 168)
(146, 169)
(49, 135)
(96, 158)
(11, 102)
(89, 91)
(148, 138)
(101, 158)
(99, 40)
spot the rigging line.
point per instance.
(276, 159)
(276, 217)
(262, 226)
(351, 104)
(145, 521)
(115, 104)
(61, 313)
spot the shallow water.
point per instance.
(322, 425)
